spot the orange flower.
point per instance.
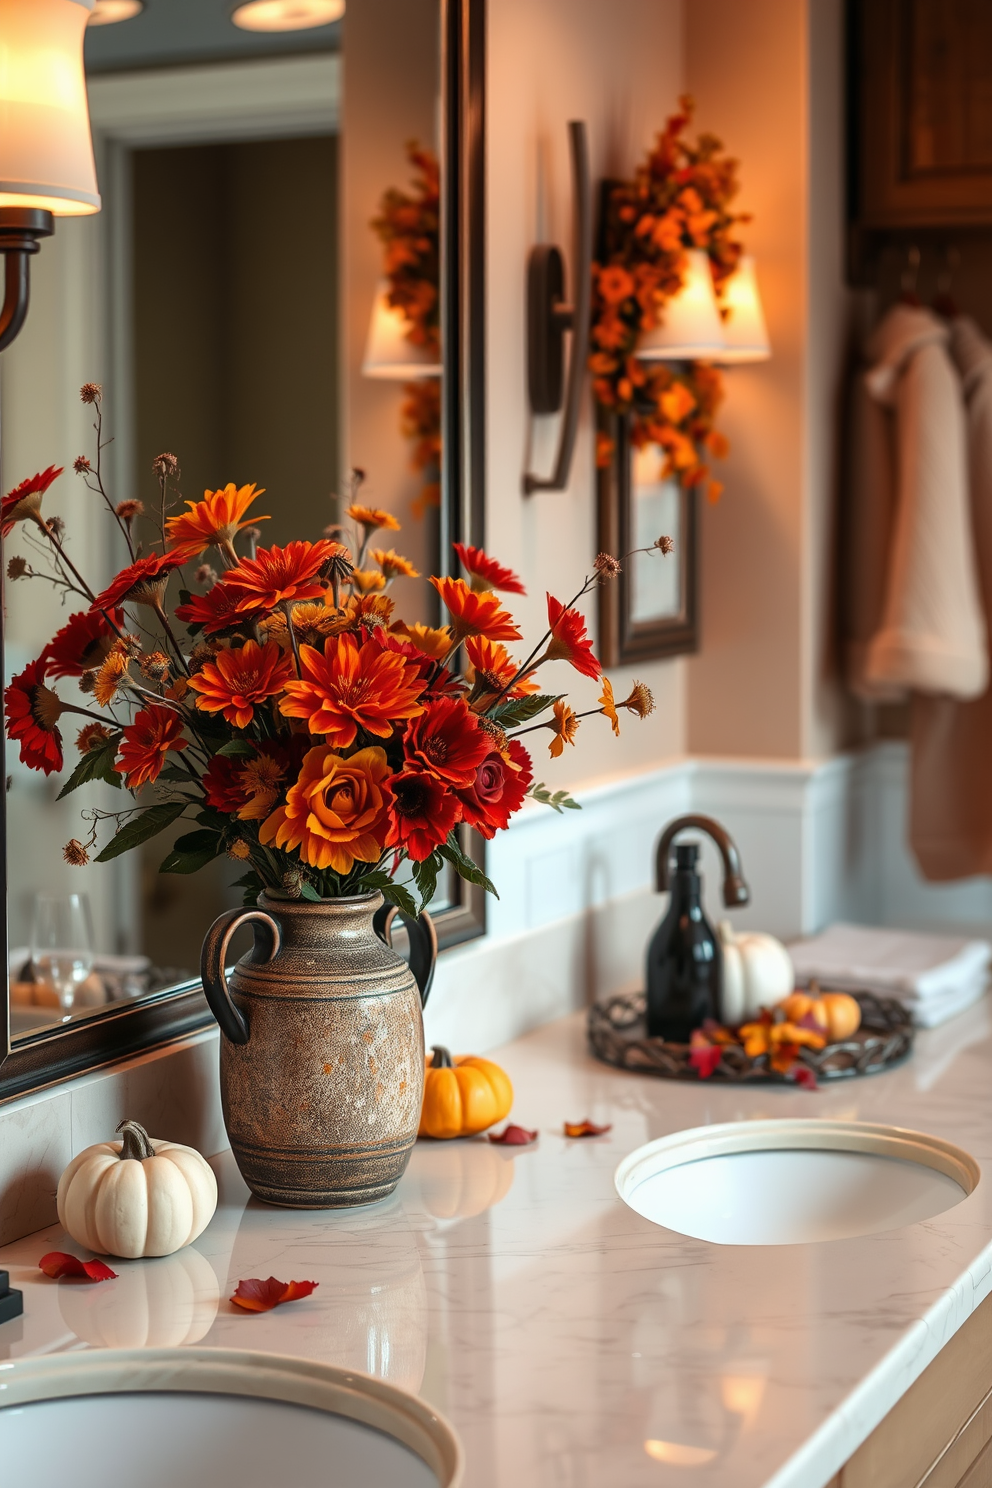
(491, 667)
(147, 740)
(615, 284)
(433, 642)
(25, 500)
(640, 700)
(676, 403)
(486, 573)
(112, 676)
(447, 741)
(214, 521)
(368, 611)
(142, 582)
(214, 611)
(236, 680)
(372, 519)
(33, 712)
(350, 687)
(564, 727)
(261, 778)
(393, 565)
(366, 580)
(82, 643)
(337, 812)
(91, 736)
(277, 576)
(608, 705)
(475, 614)
(569, 641)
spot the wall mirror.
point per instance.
(231, 299)
(651, 610)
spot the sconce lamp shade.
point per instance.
(744, 331)
(388, 352)
(691, 329)
(46, 154)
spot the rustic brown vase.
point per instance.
(322, 1047)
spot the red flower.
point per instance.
(486, 573)
(83, 642)
(147, 740)
(223, 785)
(475, 614)
(422, 814)
(142, 582)
(447, 741)
(216, 610)
(25, 500)
(238, 679)
(277, 576)
(347, 687)
(569, 641)
(497, 791)
(33, 712)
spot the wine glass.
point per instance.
(62, 944)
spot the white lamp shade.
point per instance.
(744, 330)
(46, 154)
(388, 351)
(691, 329)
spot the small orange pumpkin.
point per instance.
(463, 1095)
(800, 1005)
(843, 1015)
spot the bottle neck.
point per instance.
(686, 889)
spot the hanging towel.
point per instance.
(951, 769)
(914, 621)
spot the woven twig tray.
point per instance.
(618, 1036)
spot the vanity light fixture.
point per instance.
(287, 15)
(46, 153)
(389, 353)
(744, 332)
(109, 12)
(691, 330)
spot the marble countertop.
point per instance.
(572, 1343)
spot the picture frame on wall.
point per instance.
(651, 611)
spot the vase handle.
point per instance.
(423, 943)
(213, 957)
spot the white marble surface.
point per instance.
(561, 1332)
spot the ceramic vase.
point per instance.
(322, 1047)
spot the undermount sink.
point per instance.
(789, 1182)
(153, 1418)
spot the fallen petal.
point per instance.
(705, 1060)
(60, 1263)
(514, 1136)
(589, 1128)
(255, 1295)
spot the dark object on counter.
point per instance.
(11, 1302)
(618, 1035)
(684, 961)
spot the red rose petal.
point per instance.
(586, 1129)
(59, 1263)
(255, 1295)
(705, 1059)
(514, 1136)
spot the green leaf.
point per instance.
(97, 764)
(307, 891)
(391, 891)
(148, 824)
(237, 748)
(425, 876)
(176, 776)
(451, 851)
(560, 801)
(521, 710)
(192, 852)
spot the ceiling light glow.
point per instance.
(287, 15)
(109, 12)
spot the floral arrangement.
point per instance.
(679, 198)
(409, 226)
(281, 706)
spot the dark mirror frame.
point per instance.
(122, 1030)
(623, 640)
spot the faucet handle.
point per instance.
(735, 890)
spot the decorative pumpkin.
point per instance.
(462, 1096)
(162, 1303)
(757, 973)
(136, 1197)
(800, 1005)
(460, 1180)
(843, 1014)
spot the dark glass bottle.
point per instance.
(684, 964)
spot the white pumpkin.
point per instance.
(136, 1197)
(757, 973)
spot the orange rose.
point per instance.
(337, 811)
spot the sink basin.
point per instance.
(153, 1418)
(789, 1182)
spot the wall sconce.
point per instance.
(692, 330)
(46, 154)
(745, 333)
(389, 353)
(287, 15)
(550, 315)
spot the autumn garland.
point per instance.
(679, 199)
(409, 226)
(282, 707)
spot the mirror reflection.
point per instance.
(259, 303)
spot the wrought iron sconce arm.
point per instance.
(21, 229)
(550, 315)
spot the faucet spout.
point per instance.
(735, 889)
